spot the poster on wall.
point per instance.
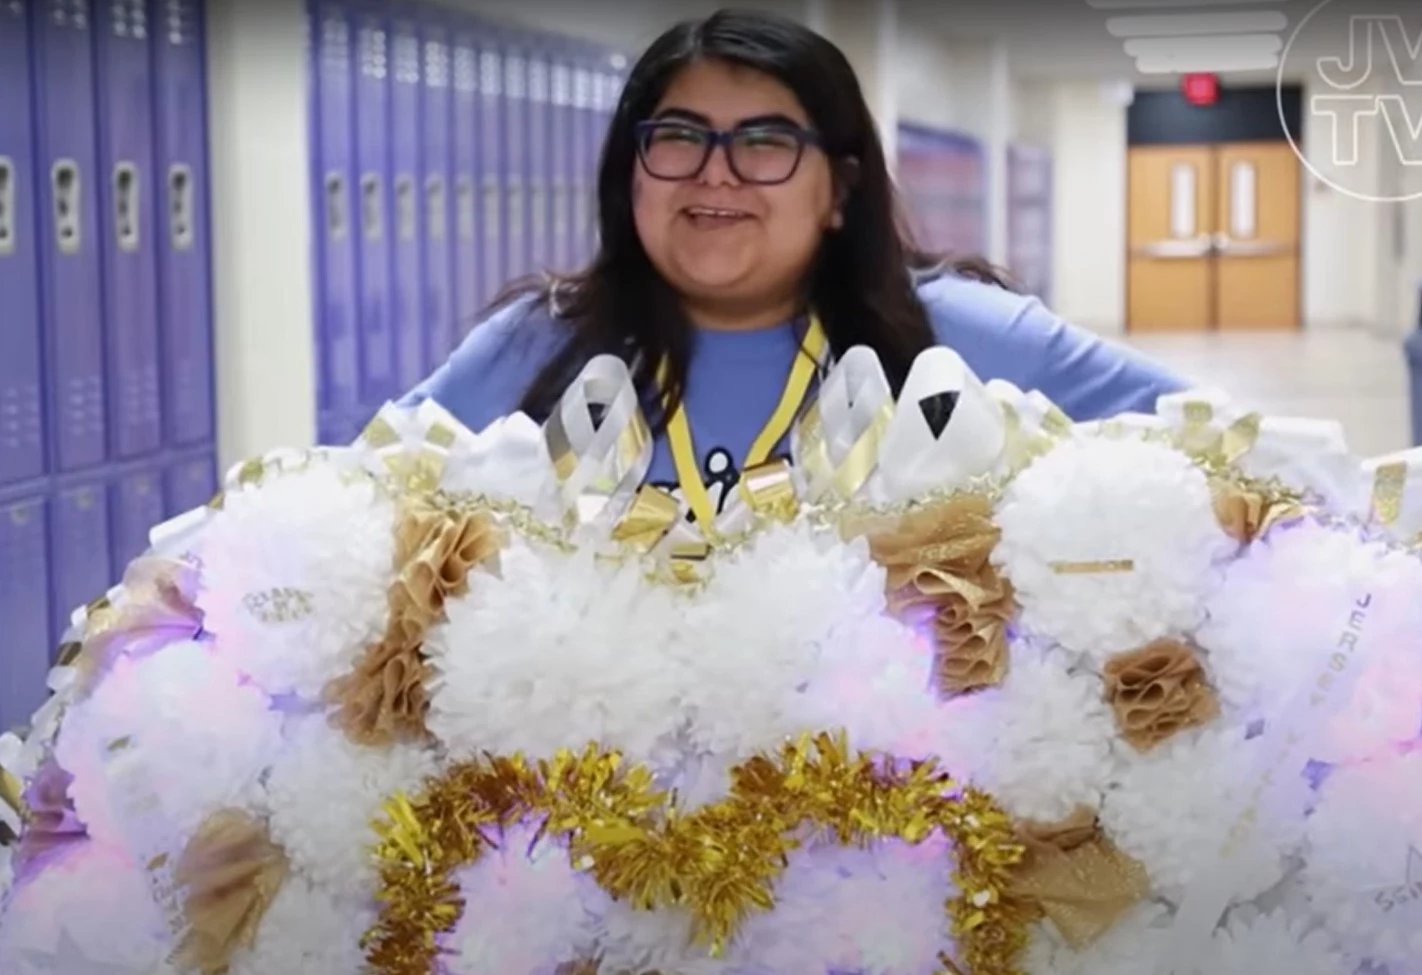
(1029, 219)
(942, 177)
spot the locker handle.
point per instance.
(435, 213)
(467, 219)
(405, 207)
(371, 210)
(64, 181)
(126, 206)
(336, 218)
(7, 205)
(180, 206)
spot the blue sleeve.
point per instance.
(1004, 335)
(487, 376)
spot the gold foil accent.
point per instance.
(380, 434)
(1099, 567)
(1389, 482)
(12, 792)
(1246, 513)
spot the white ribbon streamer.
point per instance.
(913, 460)
(836, 443)
(599, 465)
(1284, 750)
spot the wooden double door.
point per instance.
(1213, 237)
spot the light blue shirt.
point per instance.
(736, 378)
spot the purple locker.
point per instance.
(335, 111)
(562, 140)
(540, 155)
(127, 226)
(21, 365)
(468, 294)
(191, 484)
(436, 192)
(24, 608)
(491, 165)
(184, 275)
(516, 175)
(405, 138)
(135, 506)
(73, 291)
(80, 557)
(372, 97)
(586, 149)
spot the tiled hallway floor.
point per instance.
(1346, 375)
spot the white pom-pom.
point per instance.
(295, 575)
(1272, 943)
(1130, 947)
(324, 792)
(90, 910)
(1303, 593)
(162, 743)
(557, 651)
(1363, 869)
(526, 910)
(309, 931)
(1173, 808)
(630, 940)
(1144, 509)
(756, 639)
(851, 909)
(1042, 741)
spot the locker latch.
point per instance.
(64, 181)
(180, 206)
(126, 206)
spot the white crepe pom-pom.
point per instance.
(1141, 507)
(309, 931)
(1042, 741)
(1291, 601)
(631, 940)
(1130, 947)
(854, 909)
(876, 682)
(1173, 807)
(1364, 862)
(295, 575)
(758, 636)
(162, 743)
(90, 910)
(1272, 943)
(526, 910)
(555, 652)
(324, 792)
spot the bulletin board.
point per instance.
(943, 181)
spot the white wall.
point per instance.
(261, 243)
(1087, 136)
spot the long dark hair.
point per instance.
(862, 282)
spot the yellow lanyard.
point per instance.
(688, 471)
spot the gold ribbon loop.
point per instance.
(769, 490)
(652, 514)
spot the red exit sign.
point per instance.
(1200, 89)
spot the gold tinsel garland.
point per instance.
(719, 863)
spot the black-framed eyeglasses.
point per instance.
(760, 154)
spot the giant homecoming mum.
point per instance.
(965, 688)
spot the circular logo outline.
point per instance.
(1289, 135)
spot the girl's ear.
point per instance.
(846, 178)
